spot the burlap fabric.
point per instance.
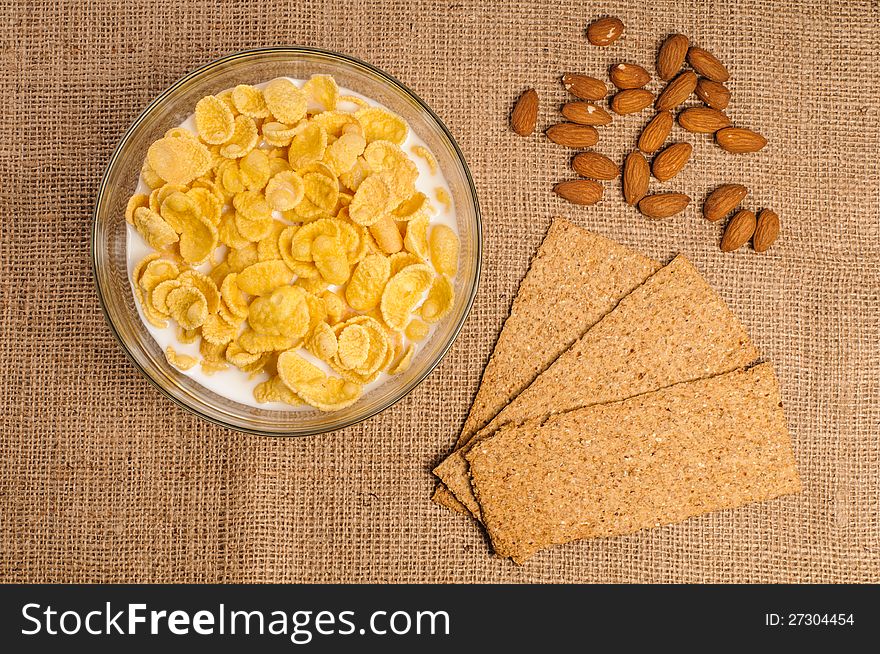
(102, 479)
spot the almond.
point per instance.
(525, 113)
(579, 191)
(703, 120)
(677, 91)
(714, 94)
(663, 205)
(629, 76)
(670, 59)
(605, 31)
(766, 231)
(586, 113)
(636, 176)
(739, 230)
(572, 135)
(739, 140)
(723, 200)
(584, 87)
(595, 166)
(631, 101)
(655, 132)
(669, 163)
(707, 64)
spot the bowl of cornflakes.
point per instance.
(287, 241)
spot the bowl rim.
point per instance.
(293, 50)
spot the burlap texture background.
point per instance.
(102, 479)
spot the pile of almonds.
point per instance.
(705, 78)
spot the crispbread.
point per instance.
(651, 460)
(673, 328)
(575, 279)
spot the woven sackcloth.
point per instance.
(104, 480)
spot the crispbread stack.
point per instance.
(581, 276)
(541, 455)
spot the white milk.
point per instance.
(232, 383)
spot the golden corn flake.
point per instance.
(278, 135)
(233, 296)
(228, 233)
(404, 363)
(240, 258)
(229, 177)
(253, 230)
(178, 160)
(307, 147)
(401, 182)
(285, 190)
(368, 280)
(205, 284)
(424, 153)
(416, 239)
(252, 205)
(218, 331)
(416, 206)
(313, 285)
(187, 306)
(274, 390)
(403, 293)
(343, 153)
(382, 125)
(155, 271)
(322, 342)
(283, 313)
(197, 240)
(188, 336)
(322, 91)
(439, 300)
(249, 101)
(267, 247)
(416, 330)
(320, 194)
(285, 101)
(354, 177)
(311, 384)
(443, 245)
(154, 229)
(443, 198)
(179, 361)
(264, 277)
(149, 175)
(330, 393)
(159, 295)
(331, 259)
(353, 346)
(176, 207)
(370, 202)
(377, 352)
(387, 235)
(206, 204)
(214, 120)
(260, 343)
(254, 170)
(400, 260)
(136, 201)
(302, 238)
(244, 138)
(384, 155)
(335, 306)
(240, 357)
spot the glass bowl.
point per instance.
(171, 108)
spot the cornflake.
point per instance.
(291, 242)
